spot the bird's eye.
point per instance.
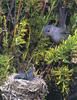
(48, 30)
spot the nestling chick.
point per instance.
(26, 76)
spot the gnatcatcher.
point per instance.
(58, 33)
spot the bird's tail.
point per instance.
(63, 12)
(63, 15)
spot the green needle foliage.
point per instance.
(63, 51)
(4, 67)
(63, 76)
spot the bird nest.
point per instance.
(21, 89)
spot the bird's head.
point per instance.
(46, 30)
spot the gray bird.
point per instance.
(58, 33)
(20, 75)
(30, 74)
(26, 76)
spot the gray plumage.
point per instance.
(57, 34)
(26, 76)
(20, 75)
